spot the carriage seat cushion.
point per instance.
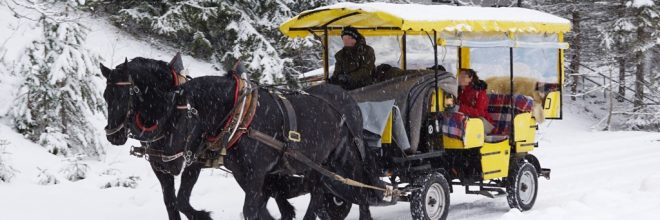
(545, 88)
(453, 125)
(499, 108)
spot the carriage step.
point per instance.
(487, 192)
(545, 172)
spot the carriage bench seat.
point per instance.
(462, 132)
(499, 108)
(524, 130)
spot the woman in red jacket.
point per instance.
(472, 97)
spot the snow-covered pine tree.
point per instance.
(237, 29)
(644, 25)
(59, 97)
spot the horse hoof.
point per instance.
(201, 215)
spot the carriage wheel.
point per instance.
(522, 186)
(432, 201)
(335, 208)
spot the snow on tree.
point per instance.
(7, 172)
(46, 178)
(201, 47)
(645, 21)
(75, 169)
(236, 29)
(59, 98)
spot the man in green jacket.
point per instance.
(354, 63)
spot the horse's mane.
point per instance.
(141, 65)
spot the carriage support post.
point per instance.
(326, 68)
(511, 102)
(404, 56)
(435, 70)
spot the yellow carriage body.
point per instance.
(473, 27)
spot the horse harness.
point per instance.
(237, 123)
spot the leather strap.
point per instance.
(280, 146)
(292, 134)
(149, 153)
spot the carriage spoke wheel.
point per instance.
(522, 187)
(432, 201)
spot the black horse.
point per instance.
(141, 98)
(330, 135)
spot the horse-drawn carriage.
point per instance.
(264, 136)
(520, 51)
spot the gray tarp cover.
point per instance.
(410, 93)
(375, 116)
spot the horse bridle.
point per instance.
(132, 89)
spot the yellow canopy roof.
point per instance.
(381, 19)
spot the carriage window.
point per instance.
(387, 49)
(420, 54)
(537, 63)
(490, 62)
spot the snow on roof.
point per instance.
(419, 12)
(390, 18)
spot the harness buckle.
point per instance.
(294, 136)
(134, 90)
(137, 151)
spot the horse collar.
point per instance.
(239, 118)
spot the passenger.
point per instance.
(472, 97)
(355, 62)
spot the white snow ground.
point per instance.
(595, 174)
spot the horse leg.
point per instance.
(365, 214)
(188, 179)
(281, 188)
(315, 206)
(287, 210)
(167, 185)
(254, 206)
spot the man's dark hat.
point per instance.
(351, 31)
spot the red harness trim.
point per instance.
(175, 76)
(236, 90)
(139, 123)
(141, 126)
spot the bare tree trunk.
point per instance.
(575, 59)
(639, 80)
(622, 79)
(609, 114)
(640, 60)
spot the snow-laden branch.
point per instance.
(41, 9)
